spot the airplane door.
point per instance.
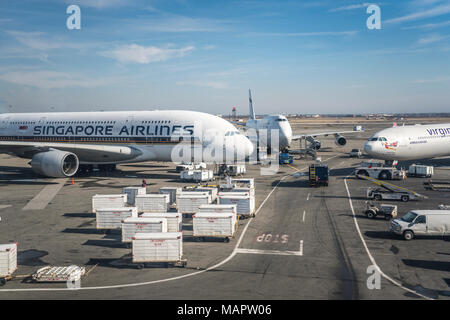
(4, 124)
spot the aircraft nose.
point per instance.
(368, 148)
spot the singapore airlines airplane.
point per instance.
(410, 142)
(58, 144)
(281, 124)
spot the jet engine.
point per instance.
(315, 145)
(55, 163)
(340, 140)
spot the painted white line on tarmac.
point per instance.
(41, 200)
(307, 198)
(4, 206)
(372, 259)
(273, 252)
(304, 214)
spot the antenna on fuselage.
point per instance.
(250, 103)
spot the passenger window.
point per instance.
(420, 219)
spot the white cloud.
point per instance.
(423, 14)
(45, 79)
(429, 39)
(208, 84)
(134, 53)
(435, 80)
(351, 7)
(429, 25)
(100, 4)
(301, 34)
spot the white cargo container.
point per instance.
(212, 224)
(218, 208)
(132, 192)
(8, 261)
(250, 191)
(174, 219)
(211, 190)
(416, 170)
(203, 175)
(109, 201)
(153, 202)
(245, 204)
(190, 203)
(194, 193)
(158, 247)
(172, 192)
(132, 226)
(111, 218)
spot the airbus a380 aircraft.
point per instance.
(410, 142)
(59, 143)
(281, 123)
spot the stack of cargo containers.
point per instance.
(172, 192)
(111, 218)
(174, 219)
(153, 202)
(133, 226)
(8, 261)
(189, 203)
(132, 192)
(158, 247)
(108, 201)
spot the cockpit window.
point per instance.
(378, 139)
(281, 120)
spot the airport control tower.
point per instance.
(233, 113)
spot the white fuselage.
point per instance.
(410, 142)
(118, 137)
(264, 127)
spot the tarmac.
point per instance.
(304, 243)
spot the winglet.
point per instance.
(250, 102)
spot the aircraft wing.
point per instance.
(85, 152)
(317, 134)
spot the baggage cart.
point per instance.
(59, 274)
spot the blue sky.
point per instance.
(297, 56)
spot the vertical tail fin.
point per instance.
(250, 102)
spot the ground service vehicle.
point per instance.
(318, 175)
(355, 153)
(286, 158)
(422, 223)
(386, 210)
(389, 191)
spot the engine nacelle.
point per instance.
(340, 140)
(315, 145)
(55, 163)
